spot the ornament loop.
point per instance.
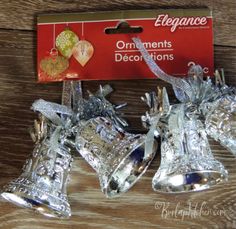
(54, 52)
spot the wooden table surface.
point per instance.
(141, 207)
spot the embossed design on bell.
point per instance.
(118, 157)
(42, 185)
(187, 163)
(221, 122)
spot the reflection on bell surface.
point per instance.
(118, 157)
(42, 185)
(187, 163)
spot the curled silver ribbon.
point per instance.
(55, 113)
(51, 111)
(179, 85)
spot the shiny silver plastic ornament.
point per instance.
(118, 157)
(42, 185)
(220, 114)
(187, 163)
(221, 122)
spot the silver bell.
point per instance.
(187, 163)
(42, 185)
(221, 122)
(118, 157)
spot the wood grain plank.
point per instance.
(140, 207)
(22, 14)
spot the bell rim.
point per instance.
(149, 159)
(13, 196)
(196, 187)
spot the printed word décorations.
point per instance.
(120, 57)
